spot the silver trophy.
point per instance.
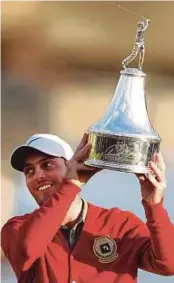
(124, 138)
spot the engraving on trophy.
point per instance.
(128, 154)
(123, 151)
(126, 151)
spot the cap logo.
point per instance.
(33, 140)
(105, 249)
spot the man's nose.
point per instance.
(39, 174)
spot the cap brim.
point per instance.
(19, 156)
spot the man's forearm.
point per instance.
(38, 230)
(162, 241)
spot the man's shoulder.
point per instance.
(114, 213)
(110, 210)
(100, 212)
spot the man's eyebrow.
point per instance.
(41, 160)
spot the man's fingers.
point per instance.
(152, 180)
(82, 142)
(154, 157)
(160, 162)
(156, 171)
(82, 154)
(141, 177)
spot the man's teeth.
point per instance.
(44, 187)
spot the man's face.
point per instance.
(44, 175)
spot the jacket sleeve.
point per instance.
(155, 241)
(25, 239)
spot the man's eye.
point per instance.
(47, 164)
(28, 171)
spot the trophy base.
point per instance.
(121, 153)
(116, 167)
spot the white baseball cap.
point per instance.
(45, 143)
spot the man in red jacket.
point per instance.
(67, 240)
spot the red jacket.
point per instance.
(112, 246)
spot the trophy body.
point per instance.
(124, 138)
